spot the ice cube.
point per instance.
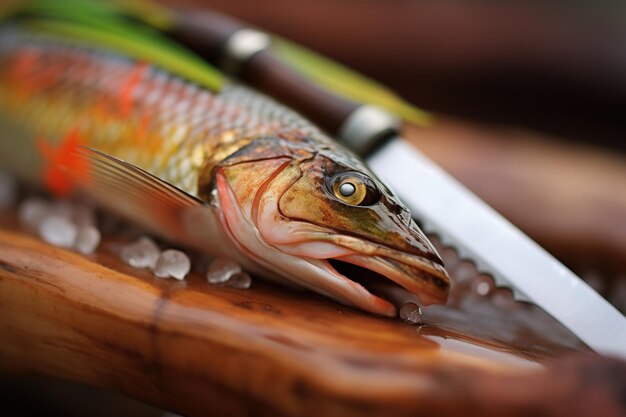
(172, 263)
(58, 231)
(221, 270)
(32, 211)
(240, 280)
(87, 240)
(143, 253)
(410, 313)
(8, 191)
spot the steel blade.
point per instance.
(461, 219)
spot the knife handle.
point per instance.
(246, 54)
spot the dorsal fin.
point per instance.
(136, 194)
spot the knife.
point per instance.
(455, 214)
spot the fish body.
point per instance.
(231, 172)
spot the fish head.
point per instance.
(304, 214)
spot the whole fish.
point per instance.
(228, 171)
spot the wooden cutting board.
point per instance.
(200, 349)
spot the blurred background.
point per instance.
(530, 105)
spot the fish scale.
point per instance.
(169, 120)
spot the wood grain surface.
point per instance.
(204, 350)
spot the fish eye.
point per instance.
(355, 189)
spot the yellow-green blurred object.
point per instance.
(107, 24)
(346, 82)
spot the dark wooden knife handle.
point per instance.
(268, 74)
(207, 33)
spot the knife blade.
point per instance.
(451, 211)
(464, 221)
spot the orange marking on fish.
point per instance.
(62, 166)
(126, 91)
(22, 63)
(31, 75)
(142, 129)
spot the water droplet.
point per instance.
(411, 313)
(482, 288)
(172, 263)
(482, 285)
(143, 253)
(58, 231)
(87, 240)
(221, 270)
(240, 280)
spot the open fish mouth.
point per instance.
(368, 275)
(428, 281)
(391, 282)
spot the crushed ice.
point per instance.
(87, 239)
(240, 280)
(73, 225)
(143, 253)
(172, 263)
(58, 231)
(411, 313)
(221, 270)
(228, 272)
(32, 211)
(61, 223)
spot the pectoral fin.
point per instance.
(136, 194)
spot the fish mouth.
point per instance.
(371, 276)
(392, 281)
(431, 285)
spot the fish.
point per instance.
(207, 163)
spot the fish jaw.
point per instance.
(418, 275)
(430, 284)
